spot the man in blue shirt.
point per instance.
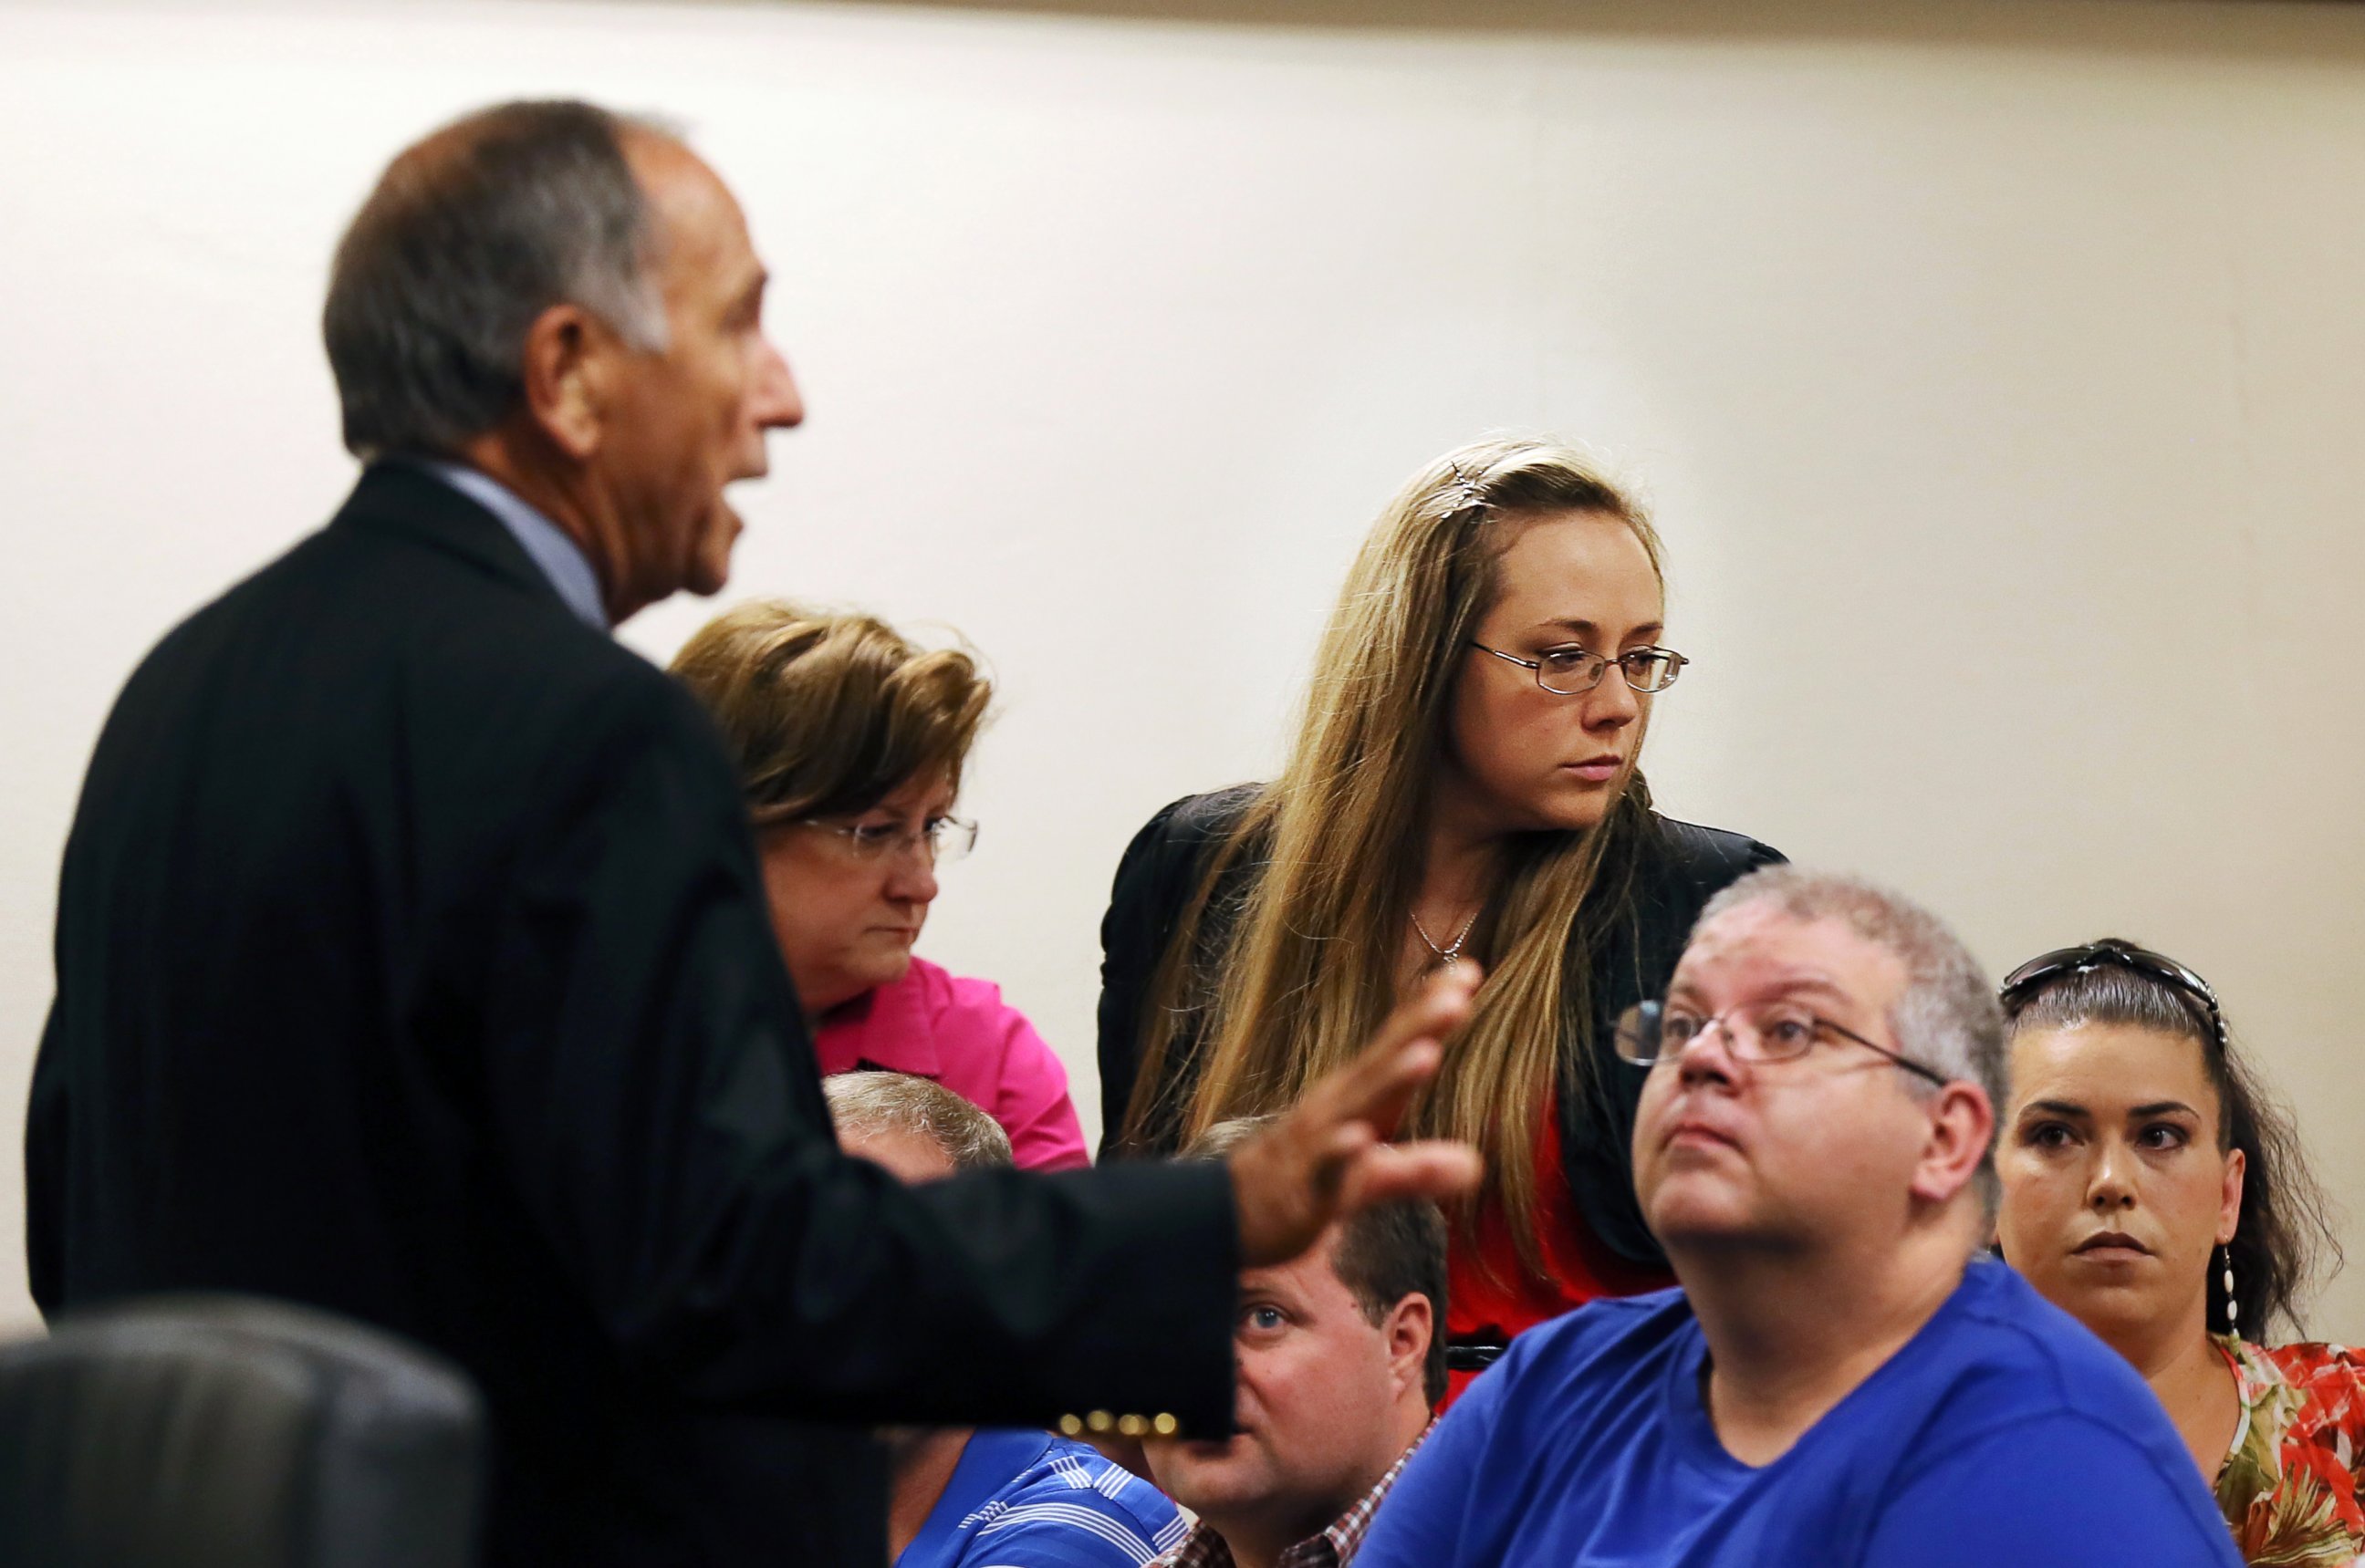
(994, 1498)
(1837, 1383)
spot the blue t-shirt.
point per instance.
(1026, 1499)
(2002, 1432)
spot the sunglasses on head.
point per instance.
(2034, 976)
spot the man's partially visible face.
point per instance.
(1320, 1406)
(685, 420)
(1783, 1154)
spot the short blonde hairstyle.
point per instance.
(826, 715)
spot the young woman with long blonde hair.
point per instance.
(1464, 782)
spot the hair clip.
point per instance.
(1465, 491)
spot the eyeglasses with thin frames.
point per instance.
(1573, 672)
(938, 841)
(1650, 1033)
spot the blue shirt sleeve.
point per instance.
(2103, 1498)
(1064, 1545)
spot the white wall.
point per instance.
(1996, 370)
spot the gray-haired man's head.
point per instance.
(567, 299)
(916, 1128)
(470, 235)
(1843, 1058)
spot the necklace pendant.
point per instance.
(1441, 957)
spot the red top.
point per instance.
(1498, 1304)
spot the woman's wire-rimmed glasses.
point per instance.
(1652, 1032)
(938, 841)
(1571, 672)
(2034, 976)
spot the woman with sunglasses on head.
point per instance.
(849, 743)
(1464, 784)
(2155, 1192)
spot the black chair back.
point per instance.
(200, 1431)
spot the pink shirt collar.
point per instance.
(886, 1027)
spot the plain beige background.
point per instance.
(1995, 369)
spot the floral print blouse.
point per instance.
(2289, 1486)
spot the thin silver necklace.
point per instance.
(1445, 955)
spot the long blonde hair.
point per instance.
(1310, 965)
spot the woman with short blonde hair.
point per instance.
(849, 742)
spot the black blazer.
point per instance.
(1672, 868)
(413, 961)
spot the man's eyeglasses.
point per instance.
(1571, 672)
(938, 840)
(2021, 986)
(1652, 1032)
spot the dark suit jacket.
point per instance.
(1651, 888)
(413, 961)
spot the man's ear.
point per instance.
(1962, 1125)
(1410, 1326)
(567, 369)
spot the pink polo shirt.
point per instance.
(959, 1033)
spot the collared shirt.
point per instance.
(1334, 1548)
(1020, 1496)
(548, 545)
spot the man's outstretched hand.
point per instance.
(1328, 1156)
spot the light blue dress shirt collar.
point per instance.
(547, 544)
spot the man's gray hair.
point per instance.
(864, 1103)
(469, 235)
(1948, 1019)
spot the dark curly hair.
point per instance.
(2283, 1235)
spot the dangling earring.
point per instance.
(2233, 1308)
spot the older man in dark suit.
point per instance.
(412, 955)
